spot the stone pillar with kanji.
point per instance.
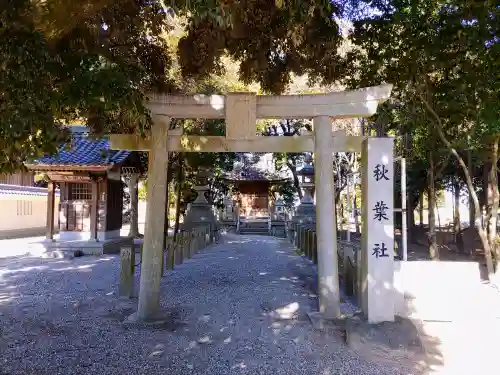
(377, 254)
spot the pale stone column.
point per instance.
(377, 253)
(326, 231)
(132, 184)
(51, 199)
(94, 212)
(152, 253)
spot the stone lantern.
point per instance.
(279, 208)
(200, 212)
(306, 208)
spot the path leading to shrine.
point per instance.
(239, 307)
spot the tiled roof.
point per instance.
(252, 174)
(248, 171)
(83, 152)
(306, 170)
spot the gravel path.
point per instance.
(64, 317)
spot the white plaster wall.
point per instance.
(23, 214)
(431, 290)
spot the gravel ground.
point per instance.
(64, 317)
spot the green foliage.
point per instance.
(143, 191)
(97, 71)
(286, 190)
(443, 59)
(94, 61)
(270, 39)
(287, 160)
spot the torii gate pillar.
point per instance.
(152, 254)
(326, 229)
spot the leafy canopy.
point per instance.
(96, 60)
(97, 72)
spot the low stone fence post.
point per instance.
(186, 244)
(306, 241)
(289, 231)
(127, 270)
(192, 243)
(296, 235)
(315, 248)
(349, 270)
(178, 248)
(310, 245)
(300, 232)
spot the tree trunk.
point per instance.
(421, 210)
(431, 200)
(438, 215)
(180, 179)
(410, 212)
(342, 217)
(457, 226)
(165, 230)
(493, 202)
(133, 190)
(477, 208)
(296, 182)
(472, 218)
(355, 208)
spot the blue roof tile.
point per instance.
(84, 151)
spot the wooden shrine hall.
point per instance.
(252, 183)
(89, 176)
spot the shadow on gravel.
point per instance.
(403, 345)
(241, 318)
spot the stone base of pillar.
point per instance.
(336, 327)
(160, 319)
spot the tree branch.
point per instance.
(447, 143)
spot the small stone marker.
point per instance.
(349, 270)
(127, 268)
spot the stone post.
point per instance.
(51, 199)
(152, 254)
(179, 249)
(310, 243)
(127, 267)
(132, 185)
(326, 231)
(377, 253)
(186, 243)
(315, 249)
(94, 211)
(349, 270)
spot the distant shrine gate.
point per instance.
(241, 111)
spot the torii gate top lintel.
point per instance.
(341, 104)
(241, 111)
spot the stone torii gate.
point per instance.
(240, 111)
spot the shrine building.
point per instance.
(89, 176)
